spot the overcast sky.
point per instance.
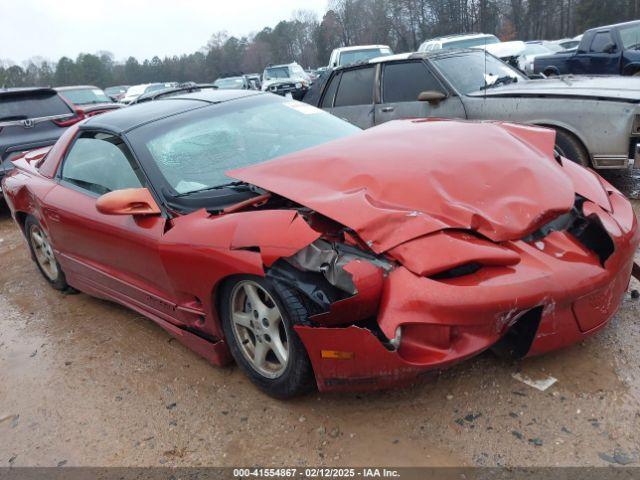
(142, 28)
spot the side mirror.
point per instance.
(431, 96)
(130, 201)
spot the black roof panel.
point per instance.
(125, 119)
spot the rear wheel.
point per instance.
(42, 252)
(570, 147)
(257, 318)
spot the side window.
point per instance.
(100, 163)
(403, 82)
(601, 41)
(356, 87)
(330, 92)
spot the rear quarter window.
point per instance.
(18, 106)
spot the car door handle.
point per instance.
(388, 109)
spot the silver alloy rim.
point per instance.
(44, 252)
(259, 329)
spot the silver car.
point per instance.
(597, 119)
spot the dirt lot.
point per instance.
(86, 382)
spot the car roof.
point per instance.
(459, 36)
(281, 65)
(359, 47)
(615, 25)
(14, 90)
(126, 119)
(76, 87)
(412, 56)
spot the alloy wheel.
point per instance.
(44, 252)
(259, 329)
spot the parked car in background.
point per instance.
(529, 54)
(136, 90)
(116, 93)
(187, 87)
(551, 45)
(475, 85)
(89, 99)
(458, 41)
(240, 82)
(570, 43)
(355, 54)
(509, 52)
(289, 79)
(608, 50)
(31, 118)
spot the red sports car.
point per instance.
(355, 260)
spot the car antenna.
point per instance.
(485, 69)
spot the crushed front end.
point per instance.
(549, 290)
(425, 266)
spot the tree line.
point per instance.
(308, 40)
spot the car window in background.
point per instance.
(98, 163)
(194, 150)
(630, 36)
(403, 82)
(356, 87)
(277, 72)
(601, 41)
(355, 56)
(23, 105)
(85, 96)
(472, 72)
(327, 100)
(471, 42)
(230, 83)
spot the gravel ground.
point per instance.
(86, 382)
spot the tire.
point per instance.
(551, 73)
(570, 147)
(42, 254)
(249, 333)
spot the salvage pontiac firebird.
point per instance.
(358, 259)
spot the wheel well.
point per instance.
(21, 218)
(216, 303)
(551, 71)
(572, 135)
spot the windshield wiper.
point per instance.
(505, 80)
(237, 186)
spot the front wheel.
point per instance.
(570, 147)
(42, 253)
(257, 318)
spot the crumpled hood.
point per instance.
(409, 178)
(603, 87)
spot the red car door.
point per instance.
(115, 256)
